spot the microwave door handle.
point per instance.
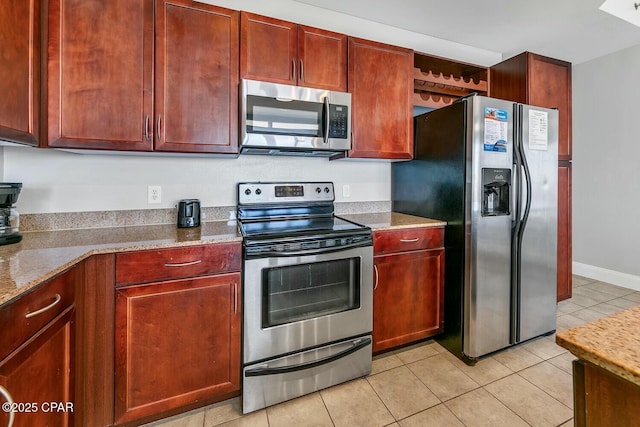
(325, 134)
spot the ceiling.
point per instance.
(572, 30)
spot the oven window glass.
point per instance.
(304, 291)
(283, 117)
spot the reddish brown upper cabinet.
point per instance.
(381, 85)
(20, 71)
(537, 80)
(196, 78)
(546, 82)
(408, 296)
(99, 85)
(284, 52)
(101, 91)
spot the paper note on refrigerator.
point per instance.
(495, 130)
(538, 130)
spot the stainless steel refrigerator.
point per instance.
(489, 168)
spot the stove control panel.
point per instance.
(284, 192)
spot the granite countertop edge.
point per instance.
(611, 343)
(25, 265)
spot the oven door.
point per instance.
(294, 303)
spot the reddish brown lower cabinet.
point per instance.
(603, 399)
(408, 297)
(564, 231)
(177, 345)
(37, 345)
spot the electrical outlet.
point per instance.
(154, 194)
(346, 190)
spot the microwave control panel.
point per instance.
(338, 119)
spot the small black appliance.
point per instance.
(188, 213)
(9, 217)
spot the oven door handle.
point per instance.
(304, 252)
(355, 346)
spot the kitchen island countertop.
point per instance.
(612, 343)
(43, 254)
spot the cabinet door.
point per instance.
(564, 231)
(39, 376)
(408, 297)
(322, 59)
(550, 87)
(20, 70)
(196, 77)
(381, 84)
(537, 80)
(268, 49)
(177, 344)
(100, 71)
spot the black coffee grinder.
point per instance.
(9, 217)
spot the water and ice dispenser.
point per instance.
(496, 185)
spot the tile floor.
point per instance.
(424, 385)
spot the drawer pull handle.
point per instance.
(43, 309)
(7, 396)
(410, 240)
(183, 264)
(375, 269)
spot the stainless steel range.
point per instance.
(308, 292)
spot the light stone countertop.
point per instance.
(43, 254)
(612, 343)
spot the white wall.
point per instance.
(62, 182)
(606, 168)
(56, 181)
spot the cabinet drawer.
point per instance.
(175, 263)
(407, 239)
(26, 315)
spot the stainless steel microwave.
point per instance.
(293, 120)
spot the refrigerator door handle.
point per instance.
(522, 173)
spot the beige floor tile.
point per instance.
(555, 381)
(566, 307)
(545, 347)
(529, 402)
(438, 416)
(568, 321)
(623, 303)
(606, 308)
(633, 297)
(384, 363)
(222, 412)
(193, 418)
(442, 377)
(583, 301)
(588, 314)
(479, 408)
(402, 392)
(568, 423)
(308, 411)
(593, 294)
(419, 352)
(254, 419)
(617, 291)
(564, 362)
(355, 404)
(580, 280)
(483, 372)
(517, 358)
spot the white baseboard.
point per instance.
(610, 276)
